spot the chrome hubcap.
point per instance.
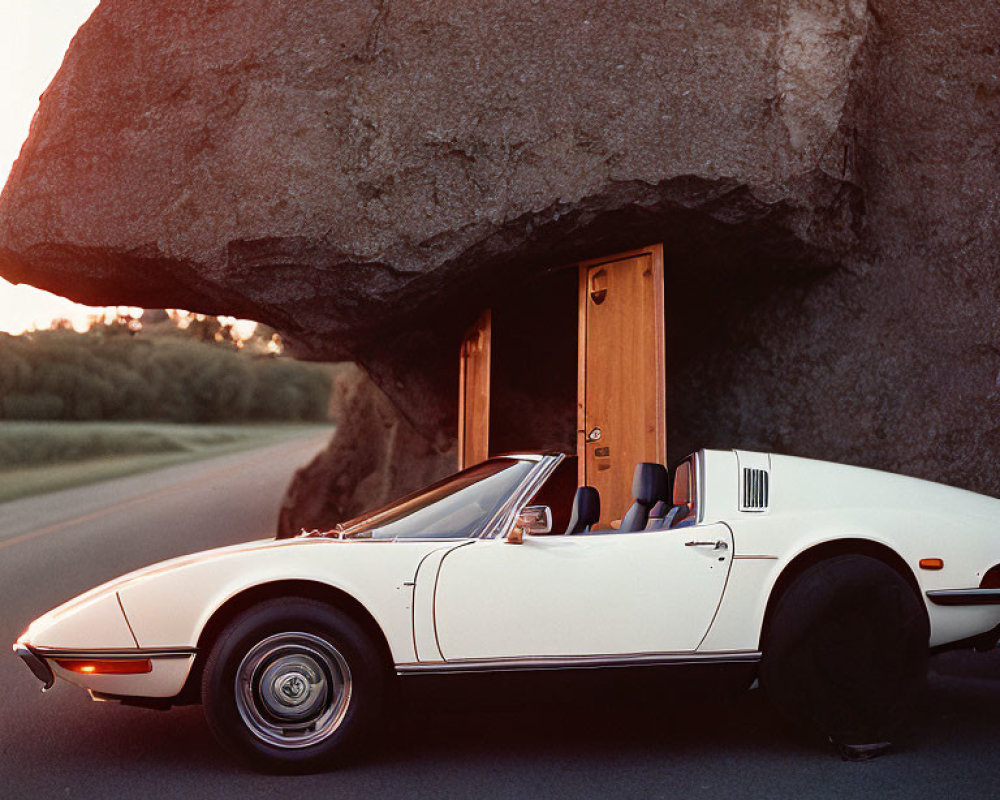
(293, 689)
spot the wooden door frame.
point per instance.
(655, 251)
(483, 320)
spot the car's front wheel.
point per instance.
(291, 685)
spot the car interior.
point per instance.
(654, 506)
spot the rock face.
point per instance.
(375, 455)
(365, 177)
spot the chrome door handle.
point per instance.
(716, 545)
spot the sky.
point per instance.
(34, 35)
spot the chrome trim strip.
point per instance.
(112, 654)
(118, 597)
(421, 539)
(725, 585)
(434, 601)
(748, 558)
(504, 519)
(964, 597)
(576, 662)
(699, 473)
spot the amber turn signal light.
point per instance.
(116, 666)
(931, 563)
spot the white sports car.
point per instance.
(829, 583)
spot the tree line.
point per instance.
(108, 374)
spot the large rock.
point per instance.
(365, 177)
(375, 455)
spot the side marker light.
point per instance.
(931, 563)
(116, 666)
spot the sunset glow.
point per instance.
(33, 38)
(25, 308)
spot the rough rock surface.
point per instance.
(375, 455)
(365, 176)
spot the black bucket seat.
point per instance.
(586, 510)
(649, 486)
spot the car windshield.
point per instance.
(454, 508)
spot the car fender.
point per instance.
(756, 568)
(170, 607)
(764, 549)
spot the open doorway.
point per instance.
(572, 361)
(533, 394)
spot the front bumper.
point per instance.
(36, 664)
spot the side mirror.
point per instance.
(532, 520)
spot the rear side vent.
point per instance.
(755, 490)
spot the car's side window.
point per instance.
(557, 493)
(684, 499)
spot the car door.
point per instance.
(602, 594)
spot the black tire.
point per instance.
(846, 650)
(292, 685)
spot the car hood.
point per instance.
(100, 594)
(167, 603)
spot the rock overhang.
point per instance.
(346, 171)
(366, 176)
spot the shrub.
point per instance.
(102, 375)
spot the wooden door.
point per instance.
(474, 393)
(622, 384)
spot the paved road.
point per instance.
(63, 745)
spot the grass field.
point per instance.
(37, 457)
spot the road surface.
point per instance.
(62, 745)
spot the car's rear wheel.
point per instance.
(846, 650)
(291, 685)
